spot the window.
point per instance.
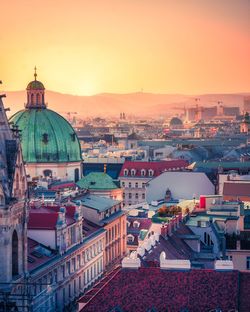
(136, 224)
(130, 238)
(136, 184)
(129, 195)
(68, 268)
(79, 261)
(63, 294)
(74, 264)
(136, 195)
(133, 172)
(143, 195)
(123, 195)
(143, 172)
(143, 185)
(63, 271)
(151, 172)
(125, 172)
(123, 184)
(129, 185)
(55, 275)
(248, 263)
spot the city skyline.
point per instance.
(86, 48)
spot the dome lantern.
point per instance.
(35, 94)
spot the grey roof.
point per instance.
(97, 202)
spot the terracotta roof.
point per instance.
(62, 185)
(236, 189)
(152, 288)
(145, 224)
(45, 221)
(157, 166)
(46, 217)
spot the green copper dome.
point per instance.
(35, 85)
(46, 137)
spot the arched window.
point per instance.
(143, 172)
(47, 173)
(32, 98)
(133, 172)
(150, 172)
(125, 172)
(76, 174)
(14, 254)
(38, 99)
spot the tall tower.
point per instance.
(13, 204)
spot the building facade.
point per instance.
(135, 175)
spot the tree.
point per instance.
(163, 211)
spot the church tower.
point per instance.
(35, 94)
(13, 204)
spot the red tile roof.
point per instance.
(236, 189)
(195, 290)
(46, 217)
(62, 185)
(157, 166)
(145, 224)
(45, 221)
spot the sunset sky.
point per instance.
(121, 46)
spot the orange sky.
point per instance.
(87, 47)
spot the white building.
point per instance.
(182, 185)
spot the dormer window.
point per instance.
(150, 172)
(136, 224)
(125, 172)
(143, 172)
(133, 172)
(130, 238)
(73, 137)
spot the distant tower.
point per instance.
(13, 210)
(245, 124)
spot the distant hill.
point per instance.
(107, 104)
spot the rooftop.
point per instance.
(230, 165)
(151, 288)
(98, 203)
(236, 188)
(157, 166)
(46, 217)
(97, 181)
(38, 254)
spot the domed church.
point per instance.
(49, 143)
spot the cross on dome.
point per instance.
(35, 74)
